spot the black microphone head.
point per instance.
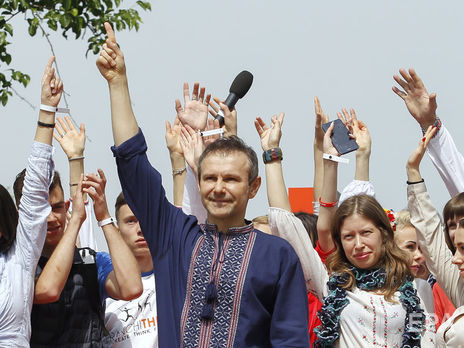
(241, 84)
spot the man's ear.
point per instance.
(66, 205)
(254, 187)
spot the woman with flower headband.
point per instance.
(369, 297)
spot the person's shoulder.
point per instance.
(273, 242)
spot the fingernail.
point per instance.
(423, 139)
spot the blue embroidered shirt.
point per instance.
(261, 293)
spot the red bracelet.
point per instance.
(327, 205)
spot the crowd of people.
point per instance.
(192, 271)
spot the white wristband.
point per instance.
(54, 109)
(104, 222)
(335, 158)
(212, 132)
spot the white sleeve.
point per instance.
(34, 207)
(357, 187)
(431, 239)
(286, 225)
(448, 161)
(86, 236)
(191, 201)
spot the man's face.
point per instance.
(129, 228)
(56, 221)
(224, 187)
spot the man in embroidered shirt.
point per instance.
(219, 284)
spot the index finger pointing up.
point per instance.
(110, 32)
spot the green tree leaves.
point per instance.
(76, 16)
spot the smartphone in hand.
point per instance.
(341, 137)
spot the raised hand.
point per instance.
(270, 136)
(70, 139)
(321, 118)
(230, 117)
(414, 160)
(421, 105)
(212, 124)
(358, 129)
(52, 86)
(192, 146)
(78, 208)
(195, 110)
(94, 185)
(173, 137)
(111, 60)
(327, 145)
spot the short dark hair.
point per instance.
(310, 224)
(453, 208)
(19, 184)
(8, 220)
(120, 201)
(228, 145)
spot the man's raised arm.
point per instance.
(113, 68)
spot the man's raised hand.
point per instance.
(52, 86)
(421, 105)
(195, 110)
(110, 62)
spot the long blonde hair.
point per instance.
(394, 260)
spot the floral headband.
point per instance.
(391, 216)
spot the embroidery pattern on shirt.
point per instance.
(230, 275)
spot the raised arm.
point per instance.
(176, 155)
(270, 140)
(192, 146)
(113, 68)
(429, 229)
(328, 195)
(56, 271)
(124, 281)
(72, 141)
(34, 208)
(281, 220)
(52, 88)
(442, 150)
(321, 118)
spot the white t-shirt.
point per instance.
(133, 323)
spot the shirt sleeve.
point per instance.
(430, 235)
(164, 226)
(104, 268)
(357, 187)
(191, 201)
(289, 322)
(34, 207)
(286, 225)
(447, 160)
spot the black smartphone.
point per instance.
(341, 137)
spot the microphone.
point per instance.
(239, 87)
